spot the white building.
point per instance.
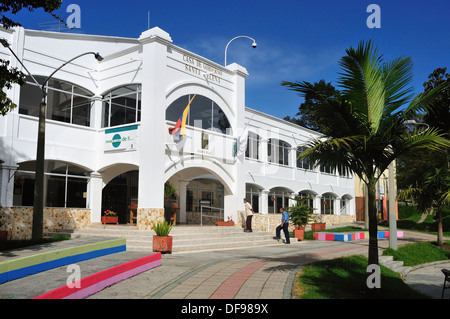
(108, 143)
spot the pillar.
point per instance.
(151, 143)
(95, 197)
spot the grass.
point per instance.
(345, 278)
(409, 216)
(14, 244)
(418, 253)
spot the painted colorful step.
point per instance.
(98, 281)
(25, 266)
(330, 236)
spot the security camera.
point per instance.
(254, 45)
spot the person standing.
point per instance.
(249, 210)
(284, 226)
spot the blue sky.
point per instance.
(297, 40)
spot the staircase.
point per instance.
(185, 238)
(397, 266)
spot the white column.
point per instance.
(337, 206)
(95, 189)
(317, 204)
(264, 204)
(183, 190)
(151, 145)
(6, 185)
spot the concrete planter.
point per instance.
(110, 220)
(318, 226)
(225, 223)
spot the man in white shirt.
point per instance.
(250, 212)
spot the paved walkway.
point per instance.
(266, 272)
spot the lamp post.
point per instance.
(254, 45)
(393, 193)
(38, 205)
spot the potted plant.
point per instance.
(3, 233)
(162, 242)
(228, 222)
(300, 214)
(318, 224)
(110, 217)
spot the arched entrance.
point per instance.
(202, 196)
(121, 195)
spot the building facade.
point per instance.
(108, 144)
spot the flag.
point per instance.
(241, 143)
(180, 127)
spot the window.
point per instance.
(303, 163)
(252, 194)
(252, 146)
(308, 197)
(66, 102)
(278, 198)
(278, 152)
(66, 185)
(327, 203)
(327, 170)
(122, 106)
(203, 113)
(204, 192)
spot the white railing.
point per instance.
(221, 213)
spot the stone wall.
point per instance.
(18, 220)
(269, 222)
(193, 218)
(147, 216)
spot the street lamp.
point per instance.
(392, 194)
(254, 45)
(38, 207)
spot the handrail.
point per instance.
(209, 207)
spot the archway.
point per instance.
(120, 195)
(201, 193)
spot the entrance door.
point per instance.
(121, 194)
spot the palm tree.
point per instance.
(363, 127)
(434, 194)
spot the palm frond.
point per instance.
(362, 80)
(409, 193)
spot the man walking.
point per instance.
(284, 225)
(250, 212)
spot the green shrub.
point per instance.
(162, 228)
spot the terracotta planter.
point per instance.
(110, 220)
(299, 233)
(225, 223)
(162, 244)
(3, 235)
(318, 226)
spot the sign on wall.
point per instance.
(121, 139)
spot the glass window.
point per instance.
(327, 169)
(278, 152)
(303, 163)
(122, 106)
(278, 198)
(66, 102)
(204, 192)
(252, 194)
(327, 203)
(252, 146)
(66, 185)
(203, 113)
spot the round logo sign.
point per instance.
(117, 139)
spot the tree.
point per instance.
(10, 76)
(363, 127)
(315, 96)
(434, 194)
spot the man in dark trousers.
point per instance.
(284, 225)
(249, 210)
